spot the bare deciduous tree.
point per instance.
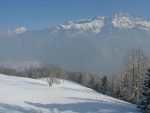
(136, 64)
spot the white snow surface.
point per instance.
(24, 95)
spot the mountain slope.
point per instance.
(94, 45)
(24, 95)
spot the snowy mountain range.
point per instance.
(95, 44)
(120, 20)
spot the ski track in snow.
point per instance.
(25, 95)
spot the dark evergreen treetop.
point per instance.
(144, 103)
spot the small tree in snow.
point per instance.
(50, 80)
(144, 104)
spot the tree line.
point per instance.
(125, 85)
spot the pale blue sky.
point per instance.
(39, 14)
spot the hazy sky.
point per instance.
(39, 14)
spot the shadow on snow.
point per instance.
(93, 106)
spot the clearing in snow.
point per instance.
(24, 95)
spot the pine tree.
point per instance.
(104, 86)
(144, 103)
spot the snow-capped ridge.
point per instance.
(120, 20)
(20, 30)
(95, 25)
(123, 20)
(15, 31)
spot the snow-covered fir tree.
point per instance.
(144, 103)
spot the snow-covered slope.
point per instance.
(24, 95)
